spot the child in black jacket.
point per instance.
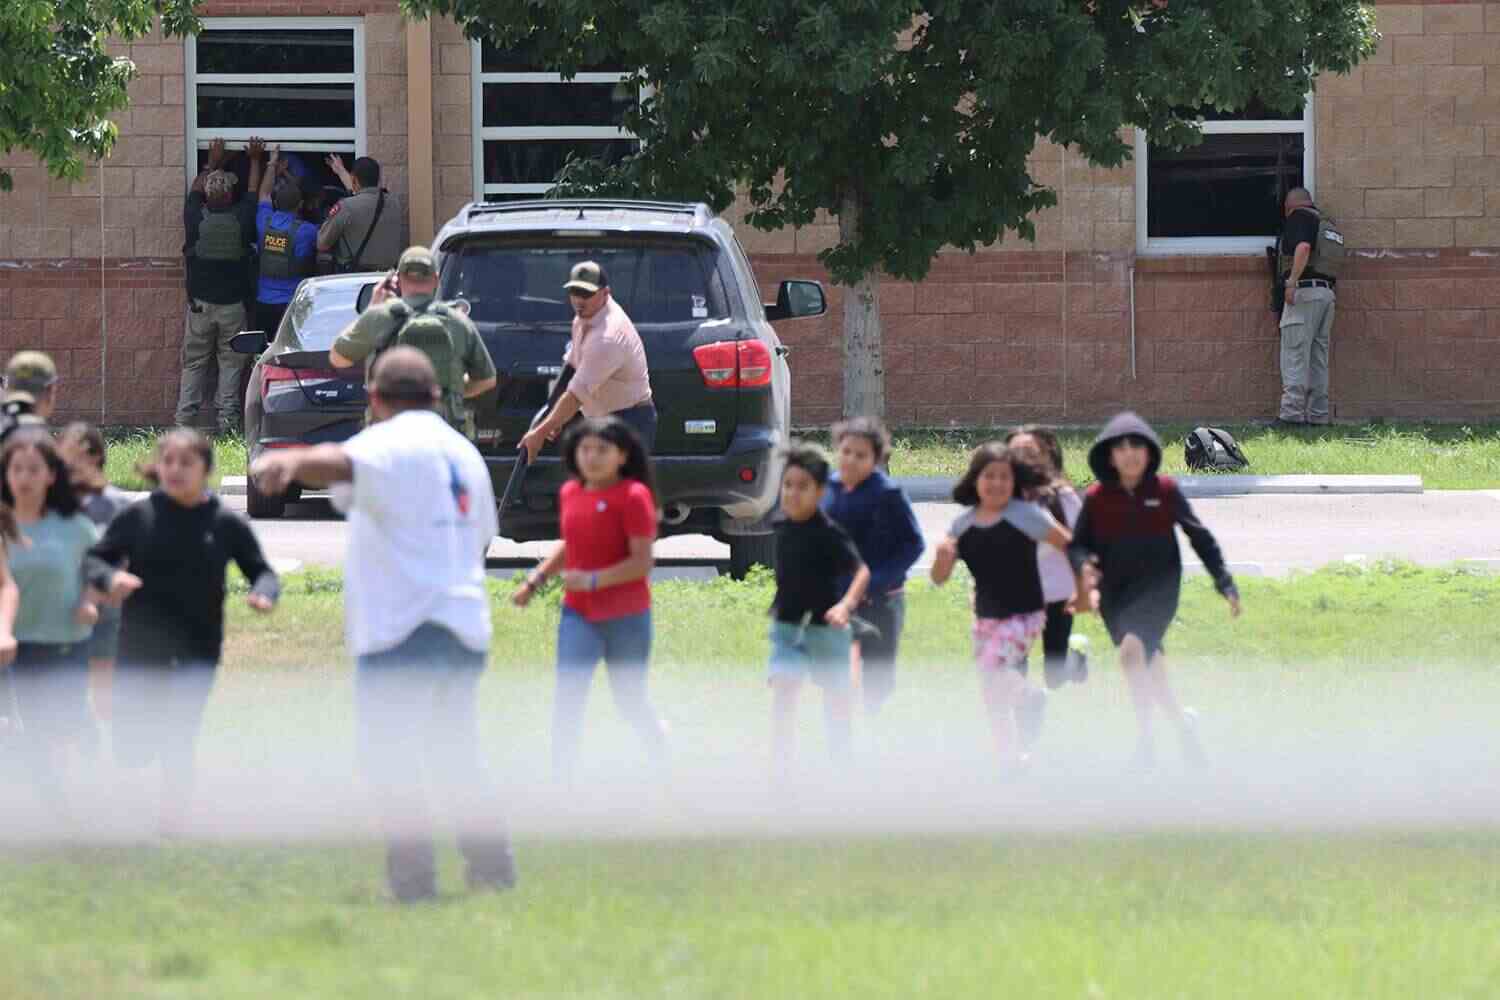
(1126, 535)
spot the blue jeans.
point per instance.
(642, 420)
(49, 691)
(415, 708)
(624, 644)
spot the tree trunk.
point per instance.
(864, 360)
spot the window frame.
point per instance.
(1148, 246)
(339, 140)
(501, 133)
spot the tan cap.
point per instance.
(28, 374)
(417, 262)
(587, 277)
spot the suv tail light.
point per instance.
(727, 364)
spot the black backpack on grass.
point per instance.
(1209, 449)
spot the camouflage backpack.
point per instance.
(438, 331)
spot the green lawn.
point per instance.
(1446, 456)
(1365, 915)
(129, 449)
(1255, 917)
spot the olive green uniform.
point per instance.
(379, 326)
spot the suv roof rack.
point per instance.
(698, 211)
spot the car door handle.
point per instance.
(782, 352)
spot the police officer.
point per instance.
(220, 234)
(287, 244)
(1307, 318)
(403, 310)
(30, 392)
(363, 231)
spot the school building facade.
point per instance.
(1146, 286)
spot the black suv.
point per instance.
(719, 375)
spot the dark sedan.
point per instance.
(295, 397)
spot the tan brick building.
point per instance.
(1146, 285)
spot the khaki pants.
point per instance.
(1306, 329)
(209, 328)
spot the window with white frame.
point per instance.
(1225, 194)
(527, 125)
(296, 82)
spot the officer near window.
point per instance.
(363, 231)
(404, 310)
(1307, 318)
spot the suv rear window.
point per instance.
(511, 282)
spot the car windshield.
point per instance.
(320, 312)
(656, 281)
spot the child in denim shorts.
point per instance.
(810, 635)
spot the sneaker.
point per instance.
(1029, 716)
(1192, 745)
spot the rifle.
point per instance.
(518, 471)
(1278, 283)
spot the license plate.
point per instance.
(553, 370)
(700, 426)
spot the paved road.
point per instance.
(1260, 534)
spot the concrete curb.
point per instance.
(938, 489)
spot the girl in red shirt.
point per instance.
(608, 520)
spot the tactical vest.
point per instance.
(437, 331)
(220, 238)
(278, 257)
(1327, 257)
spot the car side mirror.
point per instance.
(248, 342)
(798, 300)
(362, 302)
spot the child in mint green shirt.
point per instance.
(49, 677)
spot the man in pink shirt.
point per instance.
(609, 365)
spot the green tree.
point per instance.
(909, 120)
(58, 83)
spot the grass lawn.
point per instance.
(1250, 917)
(128, 449)
(1446, 456)
(1106, 914)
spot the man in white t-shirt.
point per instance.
(417, 615)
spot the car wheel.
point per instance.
(747, 551)
(260, 505)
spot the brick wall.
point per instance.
(452, 124)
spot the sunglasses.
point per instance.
(574, 293)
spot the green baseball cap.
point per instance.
(28, 374)
(417, 262)
(587, 277)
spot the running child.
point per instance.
(1041, 448)
(820, 581)
(608, 519)
(1126, 534)
(164, 559)
(997, 540)
(867, 504)
(49, 675)
(84, 449)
